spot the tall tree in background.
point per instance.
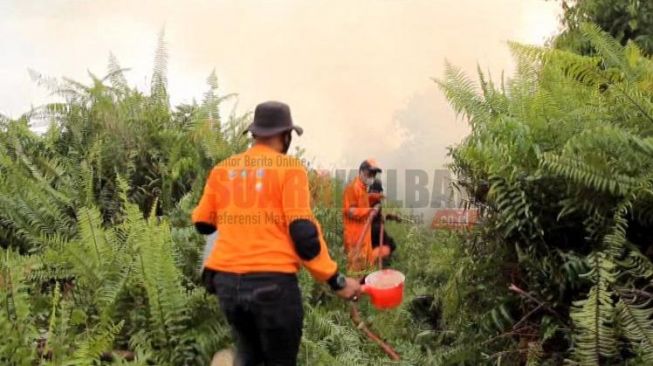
(623, 19)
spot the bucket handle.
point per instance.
(364, 290)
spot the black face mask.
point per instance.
(287, 139)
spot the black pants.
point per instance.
(265, 313)
(376, 237)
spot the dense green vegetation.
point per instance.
(97, 252)
(559, 158)
(625, 20)
(98, 257)
(98, 260)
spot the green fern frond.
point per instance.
(159, 75)
(95, 343)
(161, 280)
(116, 74)
(607, 47)
(587, 175)
(638, 326)
(462, 94)
(16, 312)
(594, 337)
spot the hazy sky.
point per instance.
(357, 74)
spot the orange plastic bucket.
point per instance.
(385, 288)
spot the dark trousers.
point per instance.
(265, 313)
(376, 237)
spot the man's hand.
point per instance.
(351, 290)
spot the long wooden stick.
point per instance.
(357, 247)
(356, 250)
(380, 245)
(355, 313)
(356, 318)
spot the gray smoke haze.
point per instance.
(357, 74)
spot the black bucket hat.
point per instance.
(272, 118)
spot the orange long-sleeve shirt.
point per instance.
(356, 212)
(252, 198)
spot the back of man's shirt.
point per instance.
(252, 198)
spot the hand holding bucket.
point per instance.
(385, 288)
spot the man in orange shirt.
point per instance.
(357, 216)
(260, 202)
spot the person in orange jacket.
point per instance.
(260, 202)
(357, 217)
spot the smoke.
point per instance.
(357, 74)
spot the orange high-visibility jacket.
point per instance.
(252, 198)
(356, 211)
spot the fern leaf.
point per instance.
(594, 317)
(638, 326)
